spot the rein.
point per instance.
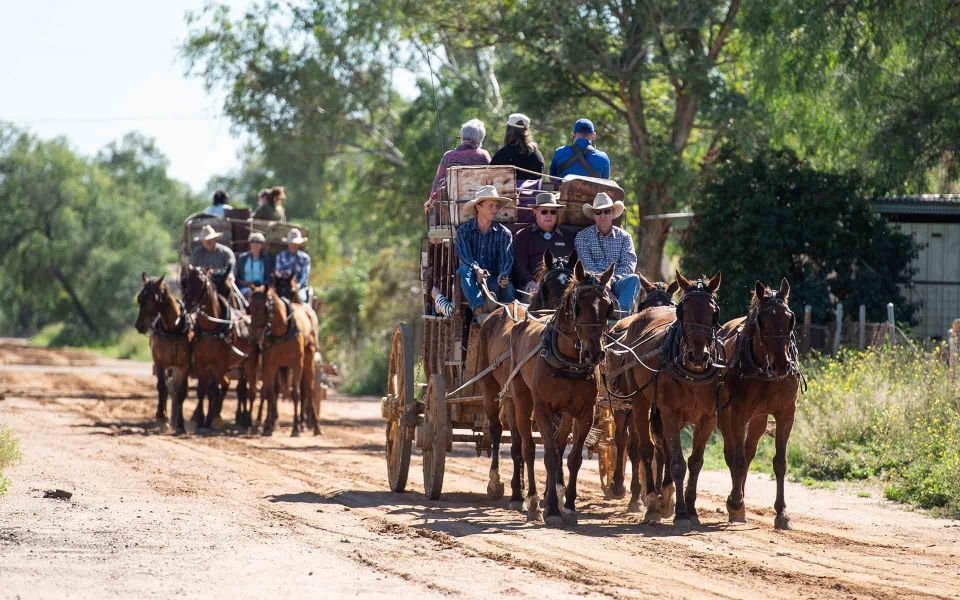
(549, 344)
(744, 362)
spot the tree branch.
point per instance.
(721, 38)
(74, 298)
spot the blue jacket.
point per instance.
(492, 251)
(598, 161)
(242, 267)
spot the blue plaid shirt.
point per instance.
(596, 252)
(492, 251)
(294, 264)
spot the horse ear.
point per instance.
(578, 271)
(784, 292)
(572, 260)
(608, 274)
(548, 260)
(759, 290)
(714, 283)
(673, 287)
(645, 283)
(683, 281)
(160, 280)
(208, 271)
(143, 276)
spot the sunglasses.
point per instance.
(548, 212)
(605, 211)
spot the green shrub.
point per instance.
(9, 455)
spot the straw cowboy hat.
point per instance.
(484, 192)
(294, 237)
(603, 201)
(256, 236)
(548, 200)
(207, 233)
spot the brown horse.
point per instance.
(558, 375)
(170, 337)
(763, 379)
(675, 357)
(619, 383)
(552, 277)
(214, 350)
(289, 341)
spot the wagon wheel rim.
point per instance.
(400, 385)
(607, 455)
(437, 424)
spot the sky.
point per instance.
(92, 71)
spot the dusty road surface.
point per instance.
(227, 516)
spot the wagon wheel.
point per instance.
(396, 405)
(607, 452)
(436, 436)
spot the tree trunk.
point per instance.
(84, 315)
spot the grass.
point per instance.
(9, 455)
(129, 344)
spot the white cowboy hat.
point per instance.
(294, 237)
(207, 233)
(256, 236)
(602, 201)
(484, 192)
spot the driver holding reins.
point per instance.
(218, 257)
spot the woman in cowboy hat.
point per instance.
(254, 267)
(218, 257)
(294, 263)
(604, 243)
(485, 249)
(531, 243)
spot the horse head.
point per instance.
(257, 309)
(588, 302)
(150, 300)
(197, 286)
(553, 277)
(770, 325)
(656, 293)
(699, 318)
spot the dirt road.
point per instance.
(224, 516)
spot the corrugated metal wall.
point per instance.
(937, 280)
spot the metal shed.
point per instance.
(934, 221)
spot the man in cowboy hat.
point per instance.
(294, 263)
(530, 243)
(485, 248)
(254, 267)
(604, 243)
(218, 257)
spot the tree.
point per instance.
(773, 216)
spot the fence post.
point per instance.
(838, 327)
(952, 352)
(862, 342)
(891, 325)
(805, 340)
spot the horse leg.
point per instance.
(296, 372)
(308, 392)
(701, 435)
(162, 393)
(516, 481)
(734, 434)
(197, 417)
(268, 394)
(492, 408)
(523, 408)
(179, 395)
(640, 429)
(664, 485)
(636, 489)
(620, 419)
(241, 397)
(574, 460)
(214, 391)
(784, 425)
(678, 467)
(562, 436)
(551, 461)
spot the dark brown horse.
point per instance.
(170, 336)
(289, 342)
(214, 344)
(620, 384)
(559, 375)
(763, 379)
(675, 362)
(553, 277)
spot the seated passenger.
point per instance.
(519, 149)
(603, 243)
(219, 204)
(580, 157)
(467, 153)
(530, 243)
(216, 256)
(485, 250)
(272, 207)
(255, 266)
(293, 263)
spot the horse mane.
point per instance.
(588, 279)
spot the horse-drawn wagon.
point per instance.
(433, 398)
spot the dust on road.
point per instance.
(229, 516)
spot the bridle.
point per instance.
(561, 274)
(205, 285)
(573, 306)
(658, 296)
(752, 328)
(677, 338)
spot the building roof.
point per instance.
(920, 204)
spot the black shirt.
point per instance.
(529, 246)
(517, 157)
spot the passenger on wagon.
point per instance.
(272, 207)
(604, 243)
(519, 149)
(467, 153)
(293, 263)
(218, 257)
(219, 204)
(485, 250)
(580, 157)
(254, 267)
(530, 243)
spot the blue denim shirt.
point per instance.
(294, 264)
(598, 161)
(492, 251)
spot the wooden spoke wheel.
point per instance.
(435, 436)
(607, 451)
(397, 406)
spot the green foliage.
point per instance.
(894, 414)
(9, 455)
(773, 216)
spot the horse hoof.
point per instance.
(781, 522)
(570, 517)
(217, 424)
(531, 504)
(180, 430)
(553, 521)
(651, 500)
(516, 505)
(667, 504)
(735, 514)
(695, 520)
(682, 524)
(317, 431)
(295, 433)
(267, 432)
(495, 489)
(617, 493)
(633, 507)
(652, 516)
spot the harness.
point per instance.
(269, 339)
(744, 363)
(578, 156)
(181, 327)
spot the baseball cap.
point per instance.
(518, 120)
(583, 126)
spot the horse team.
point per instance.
(671, 365)
(204, 335)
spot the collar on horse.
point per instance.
(671, 349)
(549, 346)
(269, 338)
(181, 327)
(744, 363)
(224, 325)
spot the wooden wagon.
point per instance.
(417, 408)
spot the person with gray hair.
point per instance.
(468, 152)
